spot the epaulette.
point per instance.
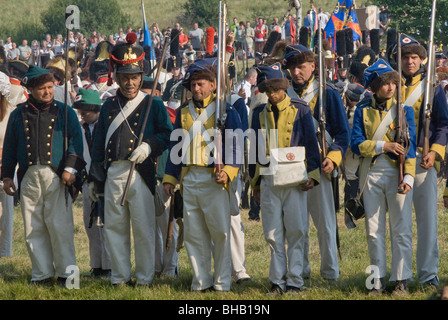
(300, 102)
(332, 86)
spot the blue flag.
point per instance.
(146, 34)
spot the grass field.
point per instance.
(15, 271)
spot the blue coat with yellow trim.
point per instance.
(367, 119)
(175, 172)
(438, 125)
(336, 121)
(295, 128)
(35, 135)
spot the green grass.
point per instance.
(15, 271)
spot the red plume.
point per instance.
(210, 40)
(131, 38)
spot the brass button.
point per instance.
(49, 161)
(49, 135)
(49, 153)
(109, 159)
(109, 150)
(135, 123)
(28, 146)
(28, 138)
(50, 127)
(129, 149)
(48, 144)
(138, 114)
(29, 154)
(30, 163)
(131, 141)
(27, 129)
(52, 120)
(26, 121)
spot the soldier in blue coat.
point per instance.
(284, 208)
(304, 85)
(35, 141)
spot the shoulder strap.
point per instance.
(379, 134)
(123, 114)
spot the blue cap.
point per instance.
(375, 71)
(405, 40)
(198, 65)
(293, 50)
(271, 76)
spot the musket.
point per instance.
(399, 130)
(429, 84)
(145, 120)
(321, 132)
(220, 115)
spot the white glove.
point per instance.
(92, 193)
(140, 153)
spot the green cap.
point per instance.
(33, 73)
(87, 100)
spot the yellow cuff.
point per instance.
(409, 167)
(169, 179)
(367, 148)
(315, 174)
(439, 150)
(335, 156)
(232, 172)
(445, 193)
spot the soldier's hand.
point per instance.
(327, 166)
(222, 177)
(307, 185)
(405, 187)
(140, 153)
(428, 160)
(68, 178)
(256, 195)
(393, 147)
(169, 189)
(9, 187)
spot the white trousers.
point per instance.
(207, 223)
(323, 213)
(98, 251)
(139, 212)
(285, 220)
(237, 246)
(6, 223)
(380, 196)
(425, 207)
(48, 221)
(166, 261)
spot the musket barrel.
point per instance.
(429, 82)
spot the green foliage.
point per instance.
(204, 12)
(413, 18)
(103, 15)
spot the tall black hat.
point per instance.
(126, 57)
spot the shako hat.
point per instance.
(126, 57)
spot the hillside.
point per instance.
(164, 12)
